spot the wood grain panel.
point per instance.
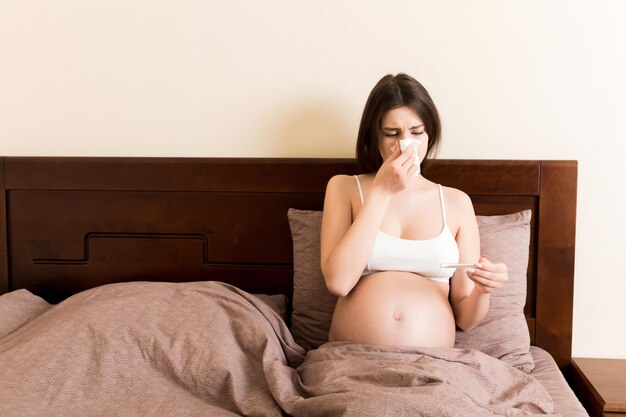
(555, 265)
(300, 175)
(608, 379)
(112, 236)
(4, 256)
(600, 384)
(242, 228)
(250, 174)
(493, 177)
(531, 329)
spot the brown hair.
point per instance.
(389, 93)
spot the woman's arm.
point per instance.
(471, 288)
(346, 245)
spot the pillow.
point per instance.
(312, 304)
(503, 334)
(277, 302)
(18, 308)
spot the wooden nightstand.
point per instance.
(600, 384)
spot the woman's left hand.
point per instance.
(488, 276)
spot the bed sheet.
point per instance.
(164, 349)
(548, 373)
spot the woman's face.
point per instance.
(401, 123)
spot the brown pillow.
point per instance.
(503, 334)
(312, 305)
(277, 302)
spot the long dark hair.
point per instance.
(389, 93)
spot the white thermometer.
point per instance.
(457, 265)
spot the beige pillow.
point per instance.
(18, 308)
(503, 334)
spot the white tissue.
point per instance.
(405, 143)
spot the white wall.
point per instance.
(512, 79)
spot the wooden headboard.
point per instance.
(69, 224)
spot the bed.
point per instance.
(108, 266)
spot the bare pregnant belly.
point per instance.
(395, 309)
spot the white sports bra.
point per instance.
(420, 256)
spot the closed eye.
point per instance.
(394, 132)
(395, 135)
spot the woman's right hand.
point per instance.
(396, 172)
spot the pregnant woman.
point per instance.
(387, 234)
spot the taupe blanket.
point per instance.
(158, 349)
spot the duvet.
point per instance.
(210, 349)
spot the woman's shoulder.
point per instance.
(339, 185)
(340, 178)
(345, 188)
(459, 208)
(346, 182)
(456, 198)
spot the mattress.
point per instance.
(548, 373)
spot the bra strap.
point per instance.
(358, 184)
(443, 207)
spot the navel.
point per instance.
(397, 316)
